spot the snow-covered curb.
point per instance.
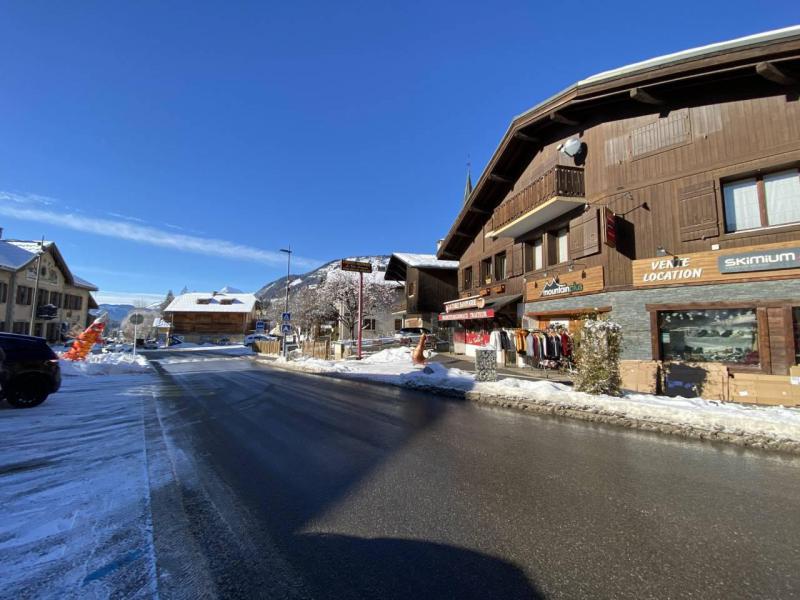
(772, 427)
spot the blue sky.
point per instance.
(184, 143)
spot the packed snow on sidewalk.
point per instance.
(111, 363)
(74, 491)
(394, 366)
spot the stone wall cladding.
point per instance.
(628, 306)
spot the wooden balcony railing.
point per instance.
(558, 181)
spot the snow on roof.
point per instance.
(13, 256)
(425, 261)
(160, 323)
(82, 283)
(210, 302)
(674, 57)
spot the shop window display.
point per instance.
(709, 335)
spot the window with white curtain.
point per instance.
(762, 201)
(562, 246)
(741, 205)
(782, 191)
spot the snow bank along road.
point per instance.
(770, 427)
(220, 478)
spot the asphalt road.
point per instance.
(295, 486)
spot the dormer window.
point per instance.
(227, 301)
(204, 300)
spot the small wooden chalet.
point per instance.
(211, 316)
(429, 282)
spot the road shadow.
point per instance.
(338, 566)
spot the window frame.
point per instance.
(487, 271)
(764, 354)
(530, 254)
(466, 278)
(761, 194)
(500, 256)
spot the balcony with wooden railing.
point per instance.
(400, 306)
(556, 192)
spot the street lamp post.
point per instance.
(35, 298)
(288, 252)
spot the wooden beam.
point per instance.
(526, 138)
(771, 72)
(557, 117)
(463, 235)
(479, 211)
(500, 179)
(645, 97)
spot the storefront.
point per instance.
(737, 310)
(476, 318)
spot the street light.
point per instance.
(288, 252)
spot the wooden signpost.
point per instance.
(360, 268)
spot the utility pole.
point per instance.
(36, 286)
(288, 252)
(360, 310)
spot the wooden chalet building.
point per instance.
(429, 282)
(665, 194)
(210, 317)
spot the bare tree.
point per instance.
(337, 297)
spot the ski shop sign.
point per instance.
(747, 262)
(464, 304)
(673, 269)
(467, 315)
(769, 261)
(555, 288)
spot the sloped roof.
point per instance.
(16, 254)
(728, 68)
(400, 261)
(13, 257)
(211, 302)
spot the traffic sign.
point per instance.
(356, 266)
(260, 326)
(286, 328)
(287, 316)
(136, 319)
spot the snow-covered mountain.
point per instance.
(116, 312)
(297, 283)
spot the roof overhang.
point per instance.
(536, 217)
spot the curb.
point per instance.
(591, 414)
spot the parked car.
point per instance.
(29, 370)
(254, 337)
(411, 335)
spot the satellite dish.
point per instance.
(572, 147)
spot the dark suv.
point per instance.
(29, 370)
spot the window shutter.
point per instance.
(460, 278)
(584, 234)
(516, 260)
(697, 212)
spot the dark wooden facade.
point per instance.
(658, 145)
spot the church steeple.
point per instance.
(468, 184)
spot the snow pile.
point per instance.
(106, 364)
(389, 355)
(394, 366)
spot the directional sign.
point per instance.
(287, 316)
(286, 328)
(136, 319)
(260, 326)
(358, 267)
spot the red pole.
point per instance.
(360, 310)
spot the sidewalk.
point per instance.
(465, 363)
